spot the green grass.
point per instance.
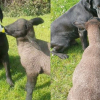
(42, 90)
(59, 7)
(62, 70)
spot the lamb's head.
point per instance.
(93, 29)
(23, 28)
(95, 21)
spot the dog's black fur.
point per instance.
(96, 5)
(4, 57)
(1, 15)
(63, 31)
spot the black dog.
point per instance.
(64, 33)
(4, 57)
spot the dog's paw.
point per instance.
(9, 81)
(63, 56)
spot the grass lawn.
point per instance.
(42, 90)
(62, 70)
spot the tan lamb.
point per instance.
(86, 77)
(34, 53)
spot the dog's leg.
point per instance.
(73, 42)
(83, 37)
(57, 50)
(31, 82)
(60, 55)
(6, 64)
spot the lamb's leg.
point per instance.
(6, 64)
(31, 82)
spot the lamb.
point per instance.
(34, 53)
(86, 77)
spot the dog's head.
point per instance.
(92, 6)
(23, 28)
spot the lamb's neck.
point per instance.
(21, 44)
(93, 35)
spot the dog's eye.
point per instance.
(80, 29)
(98, 5)
(26, 27)
(14, 30)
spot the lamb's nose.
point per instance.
(5, 29)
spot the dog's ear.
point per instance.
(87, 4)
(36, 21)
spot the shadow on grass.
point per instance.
(47, 96)
(43, 85)
(74, 48)
(16, 68)
(17, 71)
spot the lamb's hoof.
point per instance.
(9, 81)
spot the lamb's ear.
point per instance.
(33, 42)
(79, 25)
(36, 21)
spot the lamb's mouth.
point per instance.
(6, 32)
